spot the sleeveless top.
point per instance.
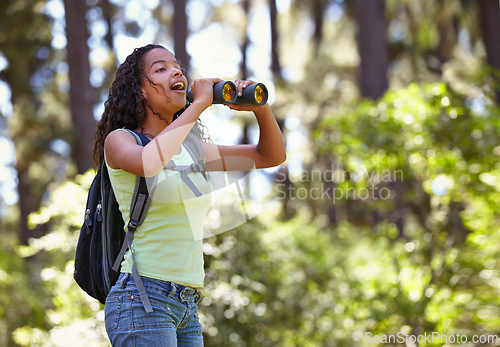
(168, 245)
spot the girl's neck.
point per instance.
(153, 125)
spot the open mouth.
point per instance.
(178, 86)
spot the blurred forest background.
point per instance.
(384, 219)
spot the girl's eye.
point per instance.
(160, 69)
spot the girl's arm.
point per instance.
(269, 151)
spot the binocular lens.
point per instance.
(224, 93)
(228, 92)
(254, 94)
(260, 94)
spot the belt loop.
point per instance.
(173, 290)
(124, 280)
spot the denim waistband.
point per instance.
(169, 289)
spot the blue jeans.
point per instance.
(173, 322)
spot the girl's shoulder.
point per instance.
(119, 135)
(120, 146)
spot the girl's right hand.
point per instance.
(203, 90)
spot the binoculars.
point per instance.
(225, 93)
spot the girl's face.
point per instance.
(166, 90)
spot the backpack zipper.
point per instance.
(99, 214)
(88, 221)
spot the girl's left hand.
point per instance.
(240, 85)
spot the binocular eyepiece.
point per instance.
(225, 93)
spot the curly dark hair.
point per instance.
(125, 106)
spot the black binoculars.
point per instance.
(225, 93)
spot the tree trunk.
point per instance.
(447, 37)
(108, 10)
(275, 62)
(374, 61)
(372, 46)
(489, 19)
(245, 43)
(180, 31)
(318, 10)
(81, 93)
(28, 202)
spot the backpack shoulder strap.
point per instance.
(141, 139)
(194, 143)
(141, 199)
(195, 148)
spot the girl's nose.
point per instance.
(177, 72)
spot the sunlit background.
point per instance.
(381, 227)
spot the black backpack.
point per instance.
(103, 240)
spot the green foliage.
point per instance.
(58, 308)
(444, 251)
(19, 302)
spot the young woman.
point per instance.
(148, 91)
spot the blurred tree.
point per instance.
(374, 62)
(489, 19)
(82, 95)
(180, 32)
(316, 10)
(443, 154)
(372, 44)
(25, 42)
(275, 57)
(62, 309)
(244, 44)
(36, 120)
(447, 37)
(108, 12)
